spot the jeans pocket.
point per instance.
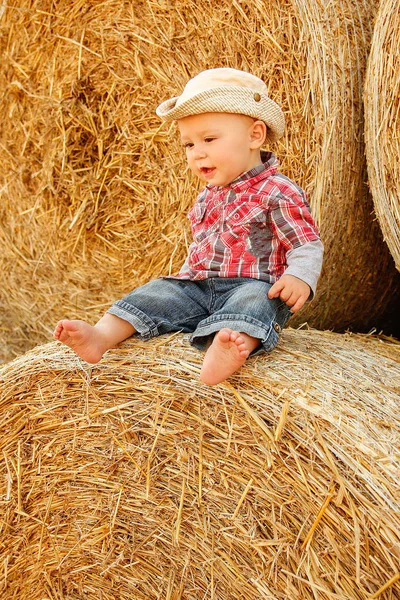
(283, 314)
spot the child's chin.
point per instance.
(216, 181)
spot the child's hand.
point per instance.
(292, 290)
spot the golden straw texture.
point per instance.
(382, 123)
(130, 479)
(94, 188)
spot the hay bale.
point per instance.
(130, 479)
(382, 123)
(94, 192)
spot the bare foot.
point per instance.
(87, 341)
(226, 355)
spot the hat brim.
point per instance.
(232, 99)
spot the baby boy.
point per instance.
(256, 254)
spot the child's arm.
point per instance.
(292, 290)
(298, 283)
(297, 232)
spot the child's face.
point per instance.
(221, 146)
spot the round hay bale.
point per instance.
(382, 123)
(95, 190)
(130, 479)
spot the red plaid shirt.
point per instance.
(247, 228)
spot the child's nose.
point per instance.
(199, 152)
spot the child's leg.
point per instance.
(244, 322)
(156, 308)
(91, 342)
(227, 353)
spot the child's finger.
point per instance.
(276, 289)
(298, 304)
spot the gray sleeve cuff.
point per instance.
(305, 263)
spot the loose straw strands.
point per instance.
(382, 123)
(392, 581)
(131, 479)
(95, 190)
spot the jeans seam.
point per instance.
(152, 328)
(211, 305)
(267, 335)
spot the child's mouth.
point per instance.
(207, 171)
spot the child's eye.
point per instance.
(188, 145)
(209, 139)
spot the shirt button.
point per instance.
(257, 97)
(277, 327)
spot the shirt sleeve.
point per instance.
(297, 232)
(292, 222)
(305, 263)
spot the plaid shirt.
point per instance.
(248, 228)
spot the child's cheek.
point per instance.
(194, 169)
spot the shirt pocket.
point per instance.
(245, 212)
(241, 222)
(196, 213)
(242, 218)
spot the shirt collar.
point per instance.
(267, 168)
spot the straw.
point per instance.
(131, 479)
(382, 127)
(95, 190)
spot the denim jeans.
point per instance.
(203, 308)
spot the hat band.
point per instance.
(237, 100)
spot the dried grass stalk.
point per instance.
(94, 192)
(130, 479)
(382, 123)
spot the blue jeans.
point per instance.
(203, 308)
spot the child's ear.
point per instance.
(258, 134)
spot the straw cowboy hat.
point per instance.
(229, 91)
